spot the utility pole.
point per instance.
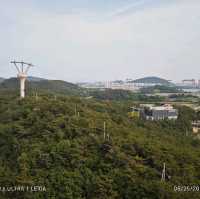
(163, 173)
(75, 110)
(108, 136)
(104, 130)
(36, 96)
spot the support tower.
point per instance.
(22, 69)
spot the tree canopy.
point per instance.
(90, 149)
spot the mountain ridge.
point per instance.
(2, 79)
(152, 80)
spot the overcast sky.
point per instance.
(88, 40)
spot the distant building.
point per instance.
(93, 85)
(122, 85)
(165, 111)
(128, 84)
(152, 112)
(189, 83)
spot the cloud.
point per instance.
(156, 40)
(134, 6)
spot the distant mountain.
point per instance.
(35, 79)
(1, 79)
(153, 80)
(38, 84)
(30, 78)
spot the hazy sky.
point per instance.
(88, 40)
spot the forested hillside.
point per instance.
(119, 95)
(60, 143)
(160, 89)
(34, 85)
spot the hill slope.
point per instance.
(1, 79)
(45, 142)
(160, 89)
(41, 85)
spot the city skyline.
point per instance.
(102, 40)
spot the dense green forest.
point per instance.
(123, 95)
(160, 89)
(60, 143)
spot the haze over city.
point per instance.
(102, 40)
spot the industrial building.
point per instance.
(152, 112)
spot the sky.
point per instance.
(100, 40)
